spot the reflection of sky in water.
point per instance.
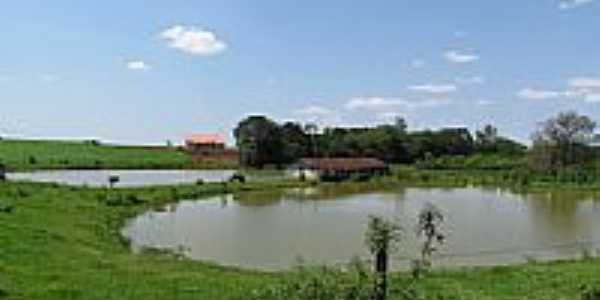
(271, 230)
(127, 178)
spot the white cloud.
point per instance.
(484, 102)
(570, 4)
(457, 57)
(319, 115)
(12, 127)
(193, 41)
(585, 82)
(586, 88)
(391, 105)
(374, 103)
(475, 80)
(538, 94)
(434, 88)
(592, 98)
(137, 65)
(582, 88)
(314, 110)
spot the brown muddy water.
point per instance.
(273, 231)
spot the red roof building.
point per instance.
(205, 139)
(205, 144)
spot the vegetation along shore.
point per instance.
(63, 242)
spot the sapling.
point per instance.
(429, 228)
(381, 238)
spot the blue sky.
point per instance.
(147, 71)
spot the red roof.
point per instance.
(342, 164)
(205, 139)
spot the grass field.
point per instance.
(64, 243)
(35, 155)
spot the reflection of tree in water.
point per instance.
(556, 216)
(259, 198)
(321, 193)
(338, 191)
(224, 200)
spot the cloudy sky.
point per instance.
(144, 71)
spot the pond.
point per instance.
(128, 178)
(271, 231)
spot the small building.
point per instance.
(205, 144)
(338, 169)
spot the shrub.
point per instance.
(321, 284)
(590, 292)
(6, 209)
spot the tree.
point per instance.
(400, 125)
(295, 142)
(487, 138)
(562, 141)
(567, 128)
(312, 129)
(259, 140)
(381, 238)
(430, 221)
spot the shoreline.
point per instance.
(84, 226)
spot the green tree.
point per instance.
(487, 138)
(312, 129)
(429, 228)
(295, 142)
(381, 238)
(562, 141)
(260, 142)
(400, 125)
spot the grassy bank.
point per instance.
(517, 179)
(64, 243)
(35, 155)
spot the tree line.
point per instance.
(263, 141)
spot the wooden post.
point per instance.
(112, 180)
(2, 172)
(381, 267)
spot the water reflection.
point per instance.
(269, 230)
(127, 178)
(565, 219)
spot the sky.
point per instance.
(148, 71)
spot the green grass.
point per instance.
(64, 243)
(478, 161)
(517, 180)
(35, 155)
(551, 281)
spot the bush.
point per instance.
(473, 162)
(590, 292)
(93, 143)
(123, 200)
(322, 284)
(6, 208)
